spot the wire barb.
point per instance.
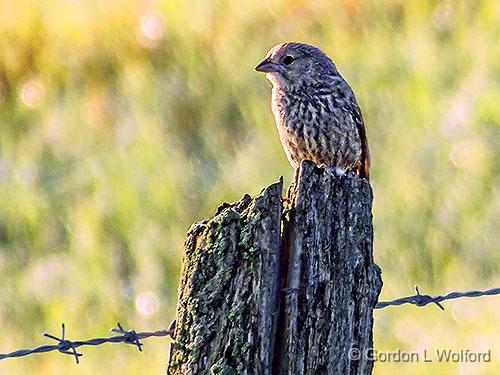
(132, 337)
(64, 345)
(422, 300)
(69, 347)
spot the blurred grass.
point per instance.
(122, 122)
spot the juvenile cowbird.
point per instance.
(315, 110)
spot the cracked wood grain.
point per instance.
(267, 289)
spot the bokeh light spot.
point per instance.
(32, 93)
(464, 154)
(146, 303)
(152, 29)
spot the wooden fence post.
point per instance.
(267, 288)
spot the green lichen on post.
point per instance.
(262, 295)
(228, 289)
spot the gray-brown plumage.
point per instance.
(315, 110)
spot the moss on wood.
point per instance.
(268, 290)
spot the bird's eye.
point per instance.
(288, 60)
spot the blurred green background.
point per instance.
(122, 122)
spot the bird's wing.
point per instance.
(364, 168)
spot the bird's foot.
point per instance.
(336, 171)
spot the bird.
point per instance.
(315, 110)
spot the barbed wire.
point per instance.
(132, 337)
(69, 347)
(421, 300)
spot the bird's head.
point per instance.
(291, 65)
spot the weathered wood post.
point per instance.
(272, 288)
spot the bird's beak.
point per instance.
(266, 66)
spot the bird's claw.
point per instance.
(336, 171)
